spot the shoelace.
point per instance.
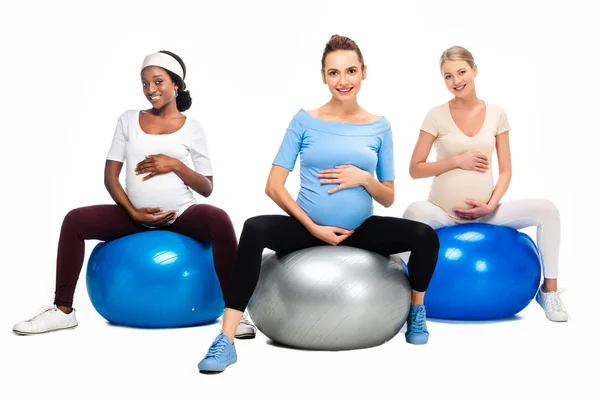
(555, 302)
(41, 312)
(245, 319)
(217, 348)
(418, 322)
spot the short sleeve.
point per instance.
(385, 158)
(428, 124)
(503, 125)
(119, 142)
(290, 146)
(198, 149)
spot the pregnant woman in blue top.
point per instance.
(341, 147)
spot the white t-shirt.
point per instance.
(450, 189)
(167, 191)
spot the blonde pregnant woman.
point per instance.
(465, 131)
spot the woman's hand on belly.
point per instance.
(330, 234)
(479, 210)
(345, 176)
(156, 164)
(472, 161)
(153, 216)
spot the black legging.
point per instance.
(383, 235)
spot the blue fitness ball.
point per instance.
(154, 279)
(483, 272)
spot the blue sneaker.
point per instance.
(416, 331)
(221, 354)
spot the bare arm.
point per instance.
(504, 168)
(200, 183)
(419, 167)
(279, 194)
(382, 192)
(112, 170)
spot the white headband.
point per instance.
(164, 61)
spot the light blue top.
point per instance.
(324, 145)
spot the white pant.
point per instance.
(516, 214)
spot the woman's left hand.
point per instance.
(479, 210)
(345, 176)
(156, 164)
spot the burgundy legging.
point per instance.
(109, 222)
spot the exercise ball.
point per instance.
(483, 272)
(154, 279)
(330, 298)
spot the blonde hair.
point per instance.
(457, 53)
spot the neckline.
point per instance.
(485, 117)
(342, 122)
(162, 134)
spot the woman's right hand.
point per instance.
(153, 216)
(330, 234)
(472, 160)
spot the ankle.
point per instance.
(549, 285)
(65, 309)
(417, 298)
(230, 337)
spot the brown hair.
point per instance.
(457, 53)
(337, 42)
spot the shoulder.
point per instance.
(494, 109)
(194, 130)
(437, 111)
(370, 118)
(129, 115)
(302, 120)
(384, 124)
(127, 122)
(193, 124)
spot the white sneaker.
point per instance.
(553, 306)
(245, 329)
(48, 319)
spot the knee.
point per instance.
(419, 211)
(220, 222)
(409, 213)
(427, 237)
(220, 217)
(253, 226)
(74, 217)
(548, 210)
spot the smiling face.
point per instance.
(343, 74)
(459, 77)
(158, 86)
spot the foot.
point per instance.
(221, 354)
(416, 330)
(48, 319)
(246, 329)
(553, 306)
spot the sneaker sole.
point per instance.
(215, 370)
(245, 336)
(21, 333)
(417, 342)
(558, 320)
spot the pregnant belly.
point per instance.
(451, 189)
(174, 199)
(346, 209)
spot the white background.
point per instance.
(70, 69)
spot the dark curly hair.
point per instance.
(183, 100)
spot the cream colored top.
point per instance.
(450, 189)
